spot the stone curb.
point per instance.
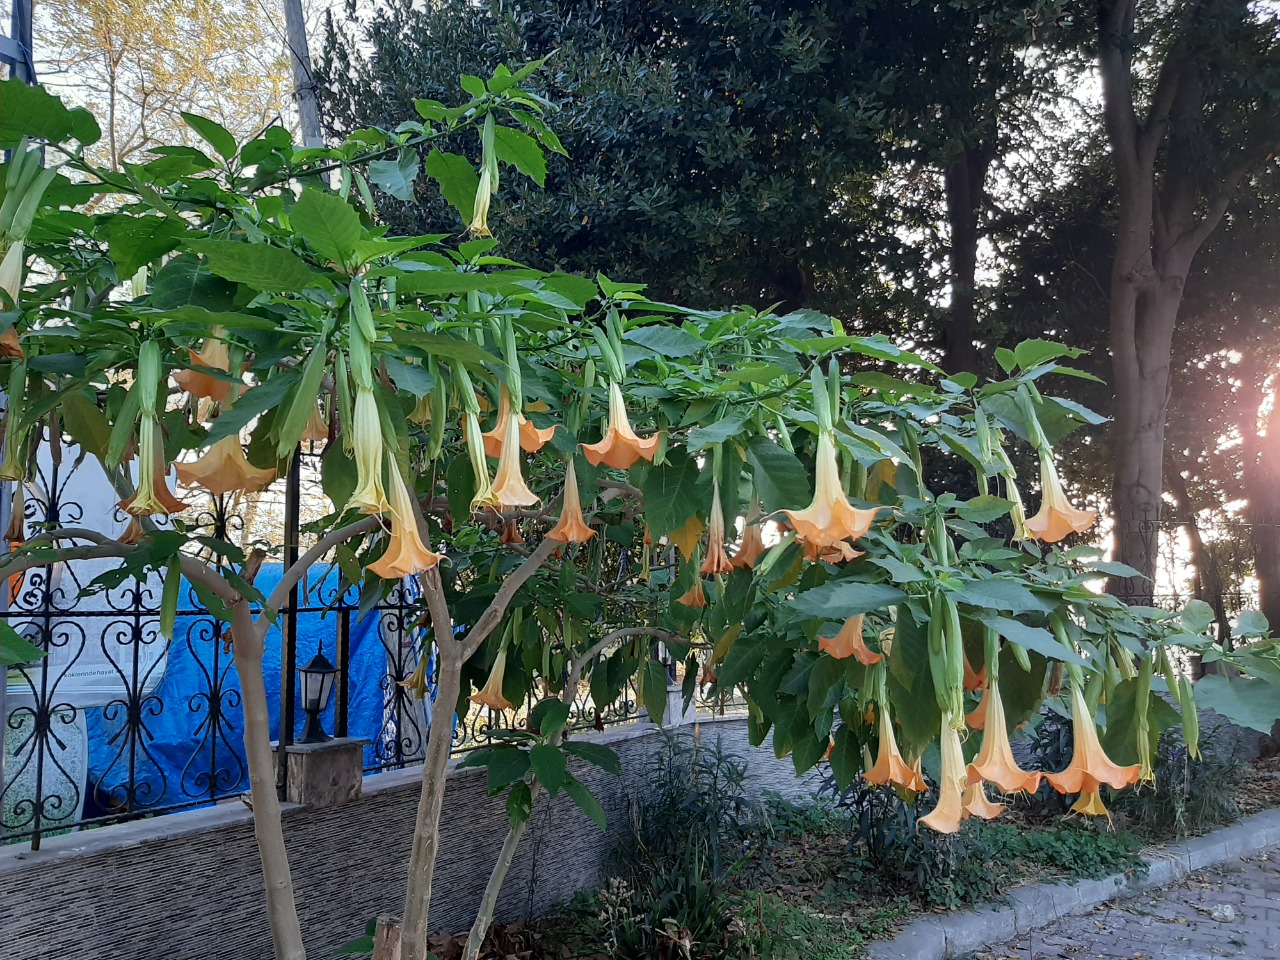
(1037, 905)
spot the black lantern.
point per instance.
(317, 684)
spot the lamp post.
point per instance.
(317, 684)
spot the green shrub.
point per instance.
(1080, 849)
(1189, 797)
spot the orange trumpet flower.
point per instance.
(508, 483)
(849, 642)
(717, 561)
(1057, 518)
(994, 762)
(752, 546)
(572, 526)
(890, 768)
(490, 695)
(974, 680)
(950, 811)
(531, 438)
(620, 447)
(976, 803)
(406, 554)
(695, 596)
(215, 356)
(224, 468)
(830, 518)
(153, 494)
(1090, 766)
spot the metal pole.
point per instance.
(289, 622)
(304, 84)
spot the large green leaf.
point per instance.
(549, 767)
(16, 649)
(214, 133)
(396, 177)
(185, 281)
(87, 424)
(1248, 702)
(781, 480)
(1034, 638)
(328, 223)
(257, 265)
(841, 599)
(596, 754)
(442, 284)
(585, 801)
(1001, 593)
(31, 111)
(522, 152)
(458, 181)
(505, 765)
(135, 241)
(670, 493)
(666, 341)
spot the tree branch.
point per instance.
(304, 563)
(516, 579)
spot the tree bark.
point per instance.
(964, 180)
(247, 647)
(1262, 488)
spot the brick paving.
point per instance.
(1175, 923)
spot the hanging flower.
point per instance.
(974, 680)
(1090, 766)
(532, 439)
(620, 447)
(890, 768)
(10, 346)
(133, 532)
(994, 762)
(850, 643)
(717, 561)
(317, 429)
(484, 497)
(406, 554)
(224, 468)
(510, 533)
(949, 812)
(1018, 514)
(976, 803)
(841, 552)
(572, 526)
(752, 547)
(830, 518)
(153, 494)
(366, 435)
(490, 695)
(508, 483)
(1089, 803)
(695, 596)
(479, 225)
(213, 355)
(1057, 518)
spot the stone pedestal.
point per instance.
(325, 774)
(677, 715)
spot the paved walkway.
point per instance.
(1228, 911)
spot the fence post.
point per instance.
(289, 623)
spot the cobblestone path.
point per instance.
(1232, 910)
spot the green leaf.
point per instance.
(1034, 638)
(653, 690)
(215, 134)
(1197, 617)
(257, 265)
(548, 717)
(718, 432)
(842, 599)
(596, 754)
(396, 177)
(522, 152)
(443, 345)
(1001, 593)
(1251, 624)
(410, 377)
(256, 401)
(1253, 703)
(15, 649)
(31, 111)
(185, 281)
(670, 493)
(587, 803)
(135, 241)
(549, 767)
(300, 407)
(666, 340)
(846, 758)
(442, 284)
(1114, 568)
(1032, 353)
(328, 223)
(505, 765)
(984, 509)
(519, 804)
(458, 181)
(87, 424)
(781, 480)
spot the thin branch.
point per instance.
(516, 579)
(299, 567)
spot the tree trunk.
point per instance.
(1262, 488)
(426, 832)
(964, 180)
(247, 647)
(475, 939)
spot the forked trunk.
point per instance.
(426, 832)
(489, 903)
(286, 932)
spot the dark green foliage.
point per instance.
(1189, 797)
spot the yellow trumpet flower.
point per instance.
(849, 642)
(224, 468)
(890, 768)
(1089, 803)
(508, 483)
(976, 803)
(572, 526)
(215, 356)
(1057, 518)
(1090, 765)
(532, 439)
(717, 561)
(830, 518)
(620, 447)
(490, 695)
(994, 762)
(366, 436)
(950, 811)
(406, 554)
(153, 494)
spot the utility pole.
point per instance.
(304, 84)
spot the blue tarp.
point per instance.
(181, 757)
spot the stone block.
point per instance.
(923, 939)
(326, 774)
